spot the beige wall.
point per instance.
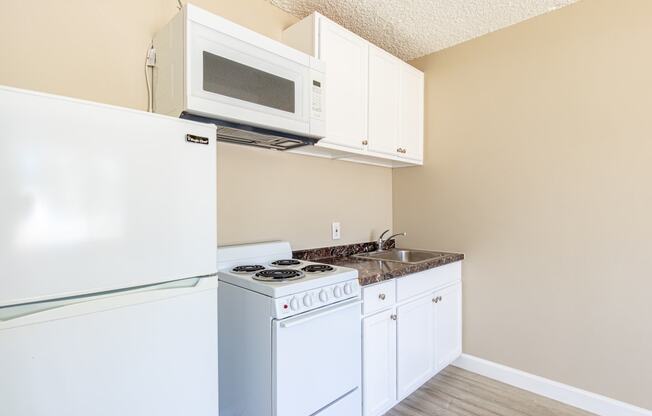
(539, 167)
(95, 50)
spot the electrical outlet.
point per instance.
(336, 230)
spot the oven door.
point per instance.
(241, 82)
(317, 361)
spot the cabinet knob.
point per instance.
(398, 150)
(393, 317)
(435, 300)
(381, 296)
(365, 142)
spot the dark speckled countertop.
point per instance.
(372, 271)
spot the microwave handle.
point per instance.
(301, 319)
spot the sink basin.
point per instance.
(401, 256)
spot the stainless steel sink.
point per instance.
(401, 255)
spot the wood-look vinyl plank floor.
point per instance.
(456, 392)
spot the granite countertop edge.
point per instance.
(372, 271)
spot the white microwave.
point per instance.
(257, 91)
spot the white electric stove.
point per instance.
(289, 334)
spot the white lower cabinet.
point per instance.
(411, 340)
(447, 328)
(379, 362)
(415, 345)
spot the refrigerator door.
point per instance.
(152, 351)
(96, 197)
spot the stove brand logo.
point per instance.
(191, 138)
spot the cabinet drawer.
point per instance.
(422, 282)
(379, 296)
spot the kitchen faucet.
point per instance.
(381, 242)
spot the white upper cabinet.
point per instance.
(384, 106)
(346, 75)
(411, 113)
(374, 101)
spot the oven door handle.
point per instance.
(301, 319)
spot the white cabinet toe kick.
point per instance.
(411, 330)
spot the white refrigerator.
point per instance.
(108, 235)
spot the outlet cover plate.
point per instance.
(335, 228)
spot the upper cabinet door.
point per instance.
(411, 113)
(346, 57)
(384, 91)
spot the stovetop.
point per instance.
(281, 277)
(269, 269)
(282, 270)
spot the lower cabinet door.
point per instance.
(447, 315)
(415, 348)
(379, 363)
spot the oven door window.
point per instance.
(316, 358)
(236, 80)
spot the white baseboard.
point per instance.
(582, 399)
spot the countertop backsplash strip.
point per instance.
(312, 254)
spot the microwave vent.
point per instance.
(229, 134)
(253, 136)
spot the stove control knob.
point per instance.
(337, 292)
(323, 296)
(307, 301)
(348, 288)
(294, 304)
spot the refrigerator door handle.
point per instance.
(28, 313)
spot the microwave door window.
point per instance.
(232, 79)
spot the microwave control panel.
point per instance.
(317, 96)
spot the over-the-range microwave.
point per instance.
(257, 91)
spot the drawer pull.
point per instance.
(393, 317)
(437, 299)
(381, 296)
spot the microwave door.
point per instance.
(234, 81)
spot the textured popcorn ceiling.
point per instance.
(413, 28)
